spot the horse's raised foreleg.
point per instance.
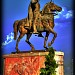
(46, 38)
(20, 36)
(27, 40)
(55, 35)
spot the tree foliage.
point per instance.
(50, 64)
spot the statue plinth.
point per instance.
(29, 63)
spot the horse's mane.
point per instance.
(45, 8)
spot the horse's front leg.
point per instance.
(46, 38)
(27, 40)
(55, 35)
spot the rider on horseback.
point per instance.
(34, 14)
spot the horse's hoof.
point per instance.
(32, 49)
(49, 44)
(17, 50)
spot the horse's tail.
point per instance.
(15, 26)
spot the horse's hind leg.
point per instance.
(20, 36)
(27, 40)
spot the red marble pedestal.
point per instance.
(29, 63)
(23, 64)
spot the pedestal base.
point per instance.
(29, 63)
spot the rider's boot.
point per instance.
(34, 29)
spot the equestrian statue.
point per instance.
(37, 22)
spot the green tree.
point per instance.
(50, 64)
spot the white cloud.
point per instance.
(56, 17)
(64, 14)
(68, 15)
(9, 39)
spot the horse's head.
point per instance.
(54, 7)
(34, 1)
(50, 7)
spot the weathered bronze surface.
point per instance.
(37, 22)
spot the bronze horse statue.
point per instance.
(44, 24)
